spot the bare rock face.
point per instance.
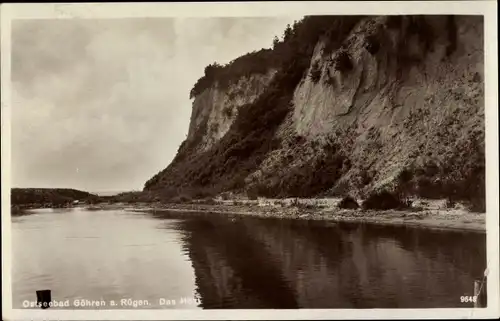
(395, 94)
(214, 110)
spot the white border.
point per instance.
(120, 10)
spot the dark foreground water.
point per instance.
(118, 259)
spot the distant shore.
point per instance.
(434, 215)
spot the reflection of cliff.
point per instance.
(252, 263)
(233, 269)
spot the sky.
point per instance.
(102, 105)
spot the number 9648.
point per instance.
(468, 299)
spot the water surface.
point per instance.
(172, 260)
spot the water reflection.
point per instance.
(241, 262)
(256, 263)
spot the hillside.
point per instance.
(342, 105)
(48, 196)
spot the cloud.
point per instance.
(104, 104)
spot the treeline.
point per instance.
(257, 62)
(300, 37)
(49, 196)
(23, 198)
(132, 197)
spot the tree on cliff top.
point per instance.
(276, 41)
(287, 34)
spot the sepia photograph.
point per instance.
(248, 160)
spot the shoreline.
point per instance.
(393, 218)
(432, 217)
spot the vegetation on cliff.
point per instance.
(296, 40)
(459, 177)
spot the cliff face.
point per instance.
(373, 102)
(214, 110)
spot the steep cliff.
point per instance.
(342, 105)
